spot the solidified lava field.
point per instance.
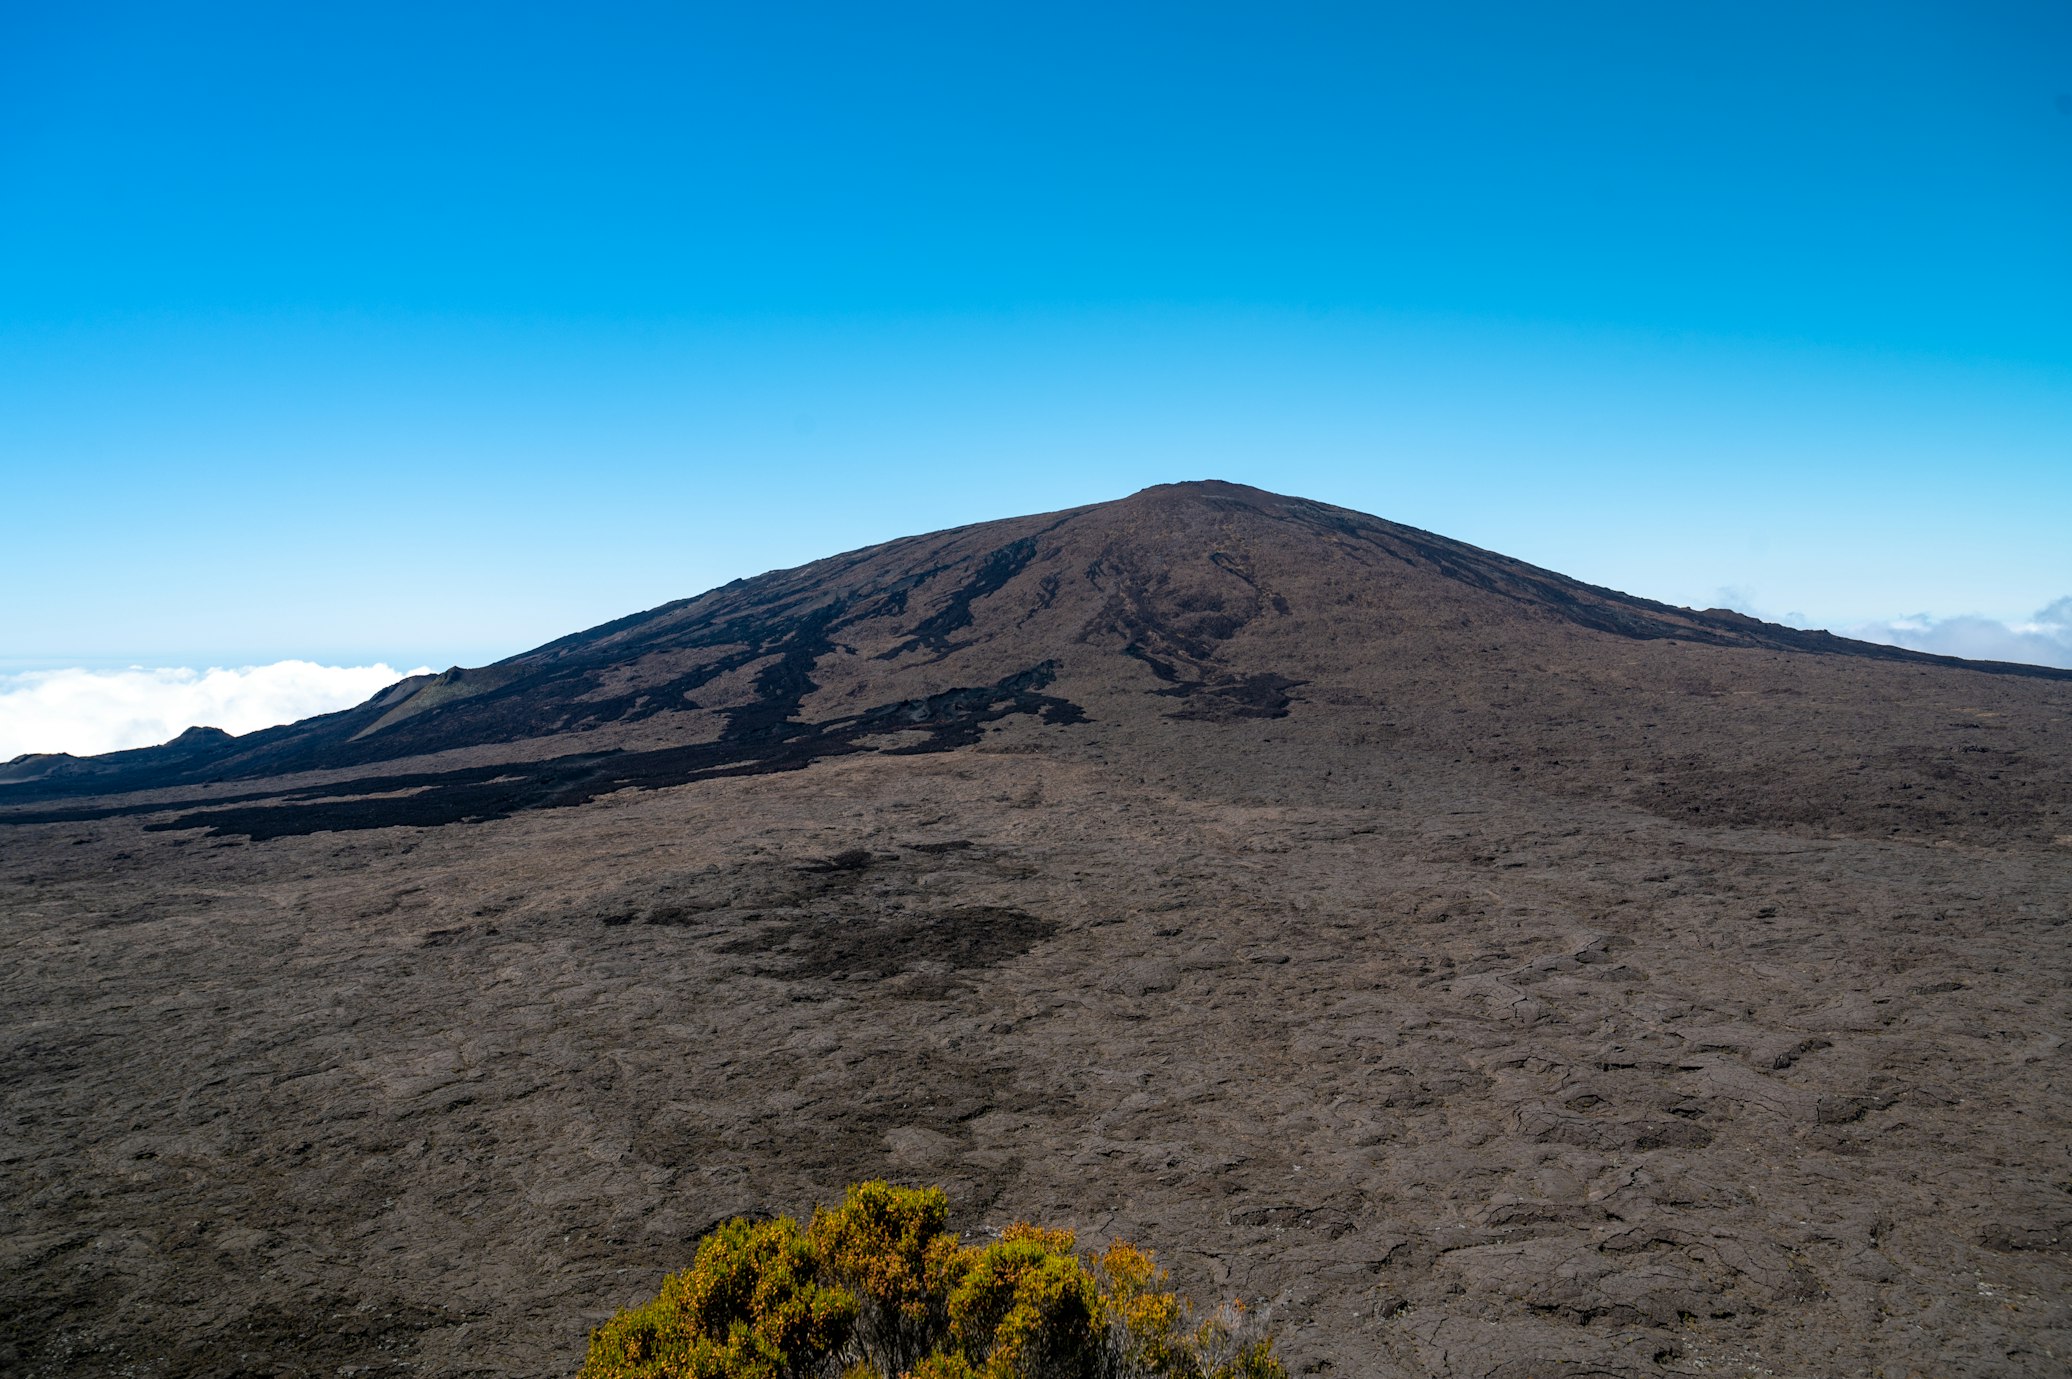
(1489, 974)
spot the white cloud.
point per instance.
(2043, 640)
(88, 711)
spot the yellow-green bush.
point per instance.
(1026, 1306)
(887, 1248)
(877, 1289)
(751, 1306)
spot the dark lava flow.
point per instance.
(753, 745)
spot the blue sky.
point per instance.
(425, 334)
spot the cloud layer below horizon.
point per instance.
(2044, 639)
(88, 711)
(85, 711)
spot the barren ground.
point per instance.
(1468, 1082)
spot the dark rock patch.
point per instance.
(837, 948)
(754, 744)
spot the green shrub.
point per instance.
(1027, 1306)
(887, 1248)
(877, 1289)
(750, 1307)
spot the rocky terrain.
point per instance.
(1491, 974)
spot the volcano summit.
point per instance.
(1492, 973)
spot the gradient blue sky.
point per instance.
(427, 333)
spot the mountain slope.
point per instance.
(1202, 602)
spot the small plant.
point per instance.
(877, 1288)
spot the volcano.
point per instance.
(1203, 602)
(1490, 973)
